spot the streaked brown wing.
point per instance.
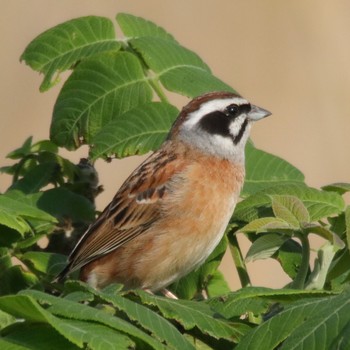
(132, 211)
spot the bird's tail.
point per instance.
(62, 275)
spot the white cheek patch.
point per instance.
(209, 107)
(223, 143)
(236, 125)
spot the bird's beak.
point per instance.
(257, 113)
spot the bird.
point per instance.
(172, 211)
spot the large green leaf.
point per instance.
(291, 209)
(258, 300)
(6, 319)
(289, 256)
(60, 47)
(313, 324)
(161, 54)
(62, 203)
(11, 219)
(36, 178)
(98, 91)
(325, 232)
(49, 264)
(22, 151)
(191, 314)
(15, 279)
(34, 336)
(217, 284)
(265, 246)
(95, 335)
(339, 187)
(135, 27)
(83, 316)
(342, 341)
(317, 277)
(264, 169)
(318, 203)
(192, 81)
(179, 69)
(266, 224)
(137, 131)
(15, 208)
(148, 319)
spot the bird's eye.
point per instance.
(232, 110)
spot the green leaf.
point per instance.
(137, 131)
(62, 203)
(312, 324)
(34, 336)
(339, 187)
(322, 264)
(135, 27)
(93, 335)
(36, 178)
(318, 203)
(9, 236)
(191, 314)
(6, 319)
(84, 315)
(265, 246)
(15, 279)
(258, 300)
(217, 284)
(13, 221)
(60, 47)
(264, 170)
(191, 81)
(347, 224)
(266, 224)
(326, 233)
(161, 54)
(78, 332)
(148, 319)
(15, 208)
(289, 256)
(22, 151)
(339, 267)
(44, 146)
(291, 209)
(342, 341)
(47, 263)
(5, 258)
(98, 91)
(179, 69)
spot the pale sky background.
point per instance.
(290, 57)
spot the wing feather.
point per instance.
(133, 210)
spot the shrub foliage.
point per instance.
(116, 101)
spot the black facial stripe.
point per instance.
(239, 136)
(245, 108)
(216, 123)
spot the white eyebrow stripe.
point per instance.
(211, 106)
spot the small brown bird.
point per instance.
(172, 211)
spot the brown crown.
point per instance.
(194, 105)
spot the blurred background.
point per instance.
(291, 58)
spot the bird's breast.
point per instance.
(195, 216)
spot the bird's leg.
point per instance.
(165, 292)
(168, 294)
